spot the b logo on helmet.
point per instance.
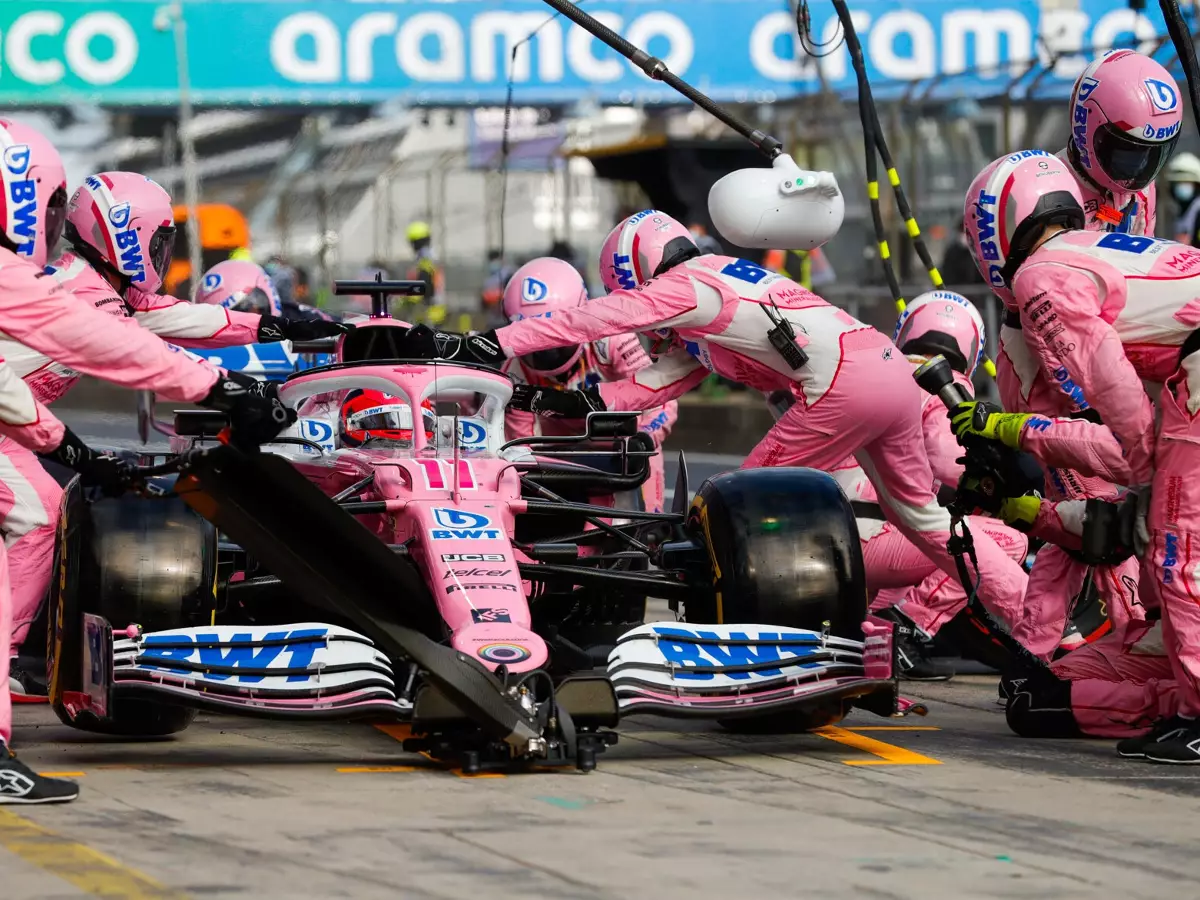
(212, 281)
(22, 198)
(534, 291)
(125, 239)
(1163, 95)
(1079, 123)
(119, 215)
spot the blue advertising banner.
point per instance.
(249, 52)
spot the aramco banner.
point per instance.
(250, 52)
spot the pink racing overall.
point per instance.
(37, 312)
(898, 573)
(1057, 576)
(608, 359)
(50, 370)
(855, 395)
(1121, 308)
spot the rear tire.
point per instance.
(785, 551)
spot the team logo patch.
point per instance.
(1164, 96)
(16, 159)
(503, 653)
(212, 281)
(534, 291)
(118, 215)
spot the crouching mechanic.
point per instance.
(35, 310)
(118, 227)
(855, 392)
(548, 286)
(907, 587)
(1115, 312)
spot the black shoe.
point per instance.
(1164, 730)
(19, 784)
(1183, 749)
(912, 650)
(1039, 705)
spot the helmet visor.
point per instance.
(1129, 161)
(56, 218)
(253, 301)
(162, 245)
(550, 360)
(395, 420)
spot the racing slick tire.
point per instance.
(149, 562)
(784, 549)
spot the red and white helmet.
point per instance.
(240, 285)
(1006, 207)
(373, 415)
(642, 246)
(538, 288)
(34, 201)
(942, 322)
(124, 220)
(1126, 112)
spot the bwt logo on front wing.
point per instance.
(459, 525)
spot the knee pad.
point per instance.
(1039, 706)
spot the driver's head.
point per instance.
(942, 322)
(373, 415)
(123, 222)
(241, 286)
(538, 288)
(1126, 113)
(641, 247)
(33, 198)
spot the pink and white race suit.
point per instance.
(1120, 309)
(35, 311)
(1057, 576)
(898, 573)
(608, 359)
(855, 395)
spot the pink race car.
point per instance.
(491, 593)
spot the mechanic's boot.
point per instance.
(1039, 705)
(23, 686)
(20, 785)
(912, 649)
(1165, 730)
(1181, 749)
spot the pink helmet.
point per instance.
(641, 247)
(1125, 117)
(536, 289)
(124, 221)
(240, 285)
(33, 204)
(942, 322)
(1006, 207)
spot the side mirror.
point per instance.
(611, 424)
(320, 345)
(199, 422)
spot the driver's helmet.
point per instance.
(1006, 208)
(538, 288)
(1126, 114)
(942, 322)
(240, 286)
(123, 221)
(33, 201)
(641, 247)
(373, 415)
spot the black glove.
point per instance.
(422, 342)
(256, 414)
(279, 328)
(100, 470)
(552, 403)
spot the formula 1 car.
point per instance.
(487, 592)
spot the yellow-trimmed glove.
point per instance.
(986, 420)
(1020, 512)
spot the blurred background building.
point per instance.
(323, 129)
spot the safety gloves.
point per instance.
(422, 342)
(986, 420)
(1020, 512)
(98, 469)
(553, 403)
(256, 414)
(279, 328)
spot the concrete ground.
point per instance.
(951, 805)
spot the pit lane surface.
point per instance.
(951, 805)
